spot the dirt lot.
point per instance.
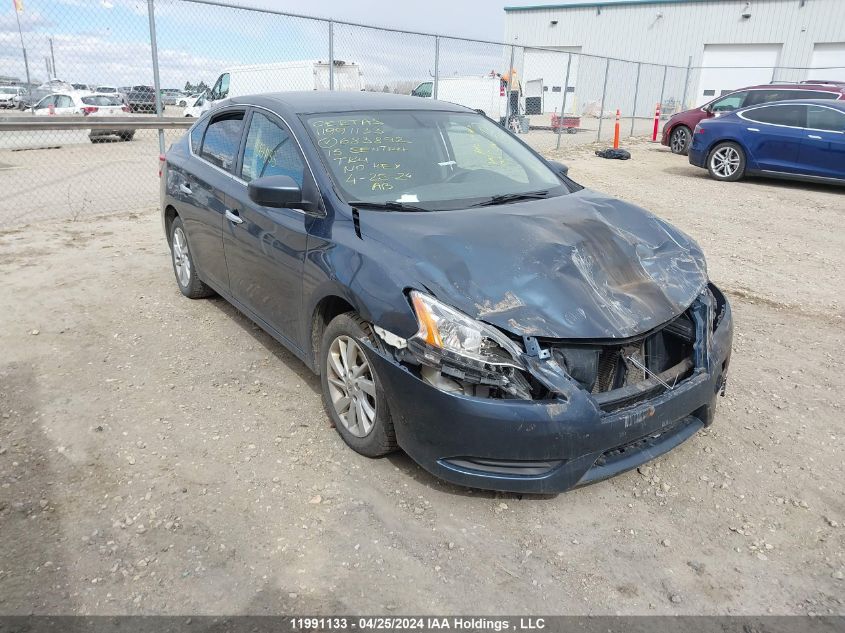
(161, 455)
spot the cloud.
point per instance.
(93, 44)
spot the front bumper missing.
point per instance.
(546, 446)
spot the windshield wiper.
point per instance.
(387, 205)
(512, 197)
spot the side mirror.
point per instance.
(559, 167)
(279, 192)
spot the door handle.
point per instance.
(813, 136)
(185, 189)
(753, 129)
(233, 217)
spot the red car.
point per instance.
(678, 129)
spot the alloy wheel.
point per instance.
(351, 386)
(181, 261)
(725, 162)
(679, 140)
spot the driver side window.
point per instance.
(270, 151)
(729, 103)
(423, 90)
(221, 88)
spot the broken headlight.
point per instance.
(447, 334)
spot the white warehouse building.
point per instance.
(727, 44)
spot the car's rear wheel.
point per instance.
(127, 136)
(352, 391)
(679, 140)
(183, 264)
(726, 162)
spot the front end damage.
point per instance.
(483, 409)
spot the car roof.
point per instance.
(825, 87)
(836, 104)
(316, 102)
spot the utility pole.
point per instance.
(23, 48)
(52, 59)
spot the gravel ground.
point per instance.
(161, 455)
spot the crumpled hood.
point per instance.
(577, 266)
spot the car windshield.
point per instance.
(8, 91)
(428, 160)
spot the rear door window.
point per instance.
(786, 114)
(196, 135)
(828, 119)
(222, 139)
(756, 97)
(46, 102)
(270, 150)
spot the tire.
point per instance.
(726, 162)
(374, 436)
(183, 264)
(679, 140)
(127, 136)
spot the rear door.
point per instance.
(265, 247)
(823, 146)
(774, 134)
(207, 177)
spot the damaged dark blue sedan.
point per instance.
(459, 295)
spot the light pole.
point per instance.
(52, 59)
(18, 9)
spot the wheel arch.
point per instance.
(170, 214)
(331, 303)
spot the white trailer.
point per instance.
(285, 77)
(486, 94)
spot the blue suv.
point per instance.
(803, 139)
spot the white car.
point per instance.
(196, 106)
(10, 96)
(86, 104)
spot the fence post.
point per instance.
(563, 105)
(686, 84)
(436, 65)
(663, 86)
(156, 80)
(636, 94)
(508, 96)
(603, 94)
(331, 54)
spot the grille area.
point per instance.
(622, 374)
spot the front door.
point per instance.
(774, 135)
(265, 247)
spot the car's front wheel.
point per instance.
(352, 391)
(726, 162)
(679, 140)
(183, 264)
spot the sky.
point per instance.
(107, 41)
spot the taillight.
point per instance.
(89, 110)
(161, 160)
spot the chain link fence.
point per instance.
(92, 64)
